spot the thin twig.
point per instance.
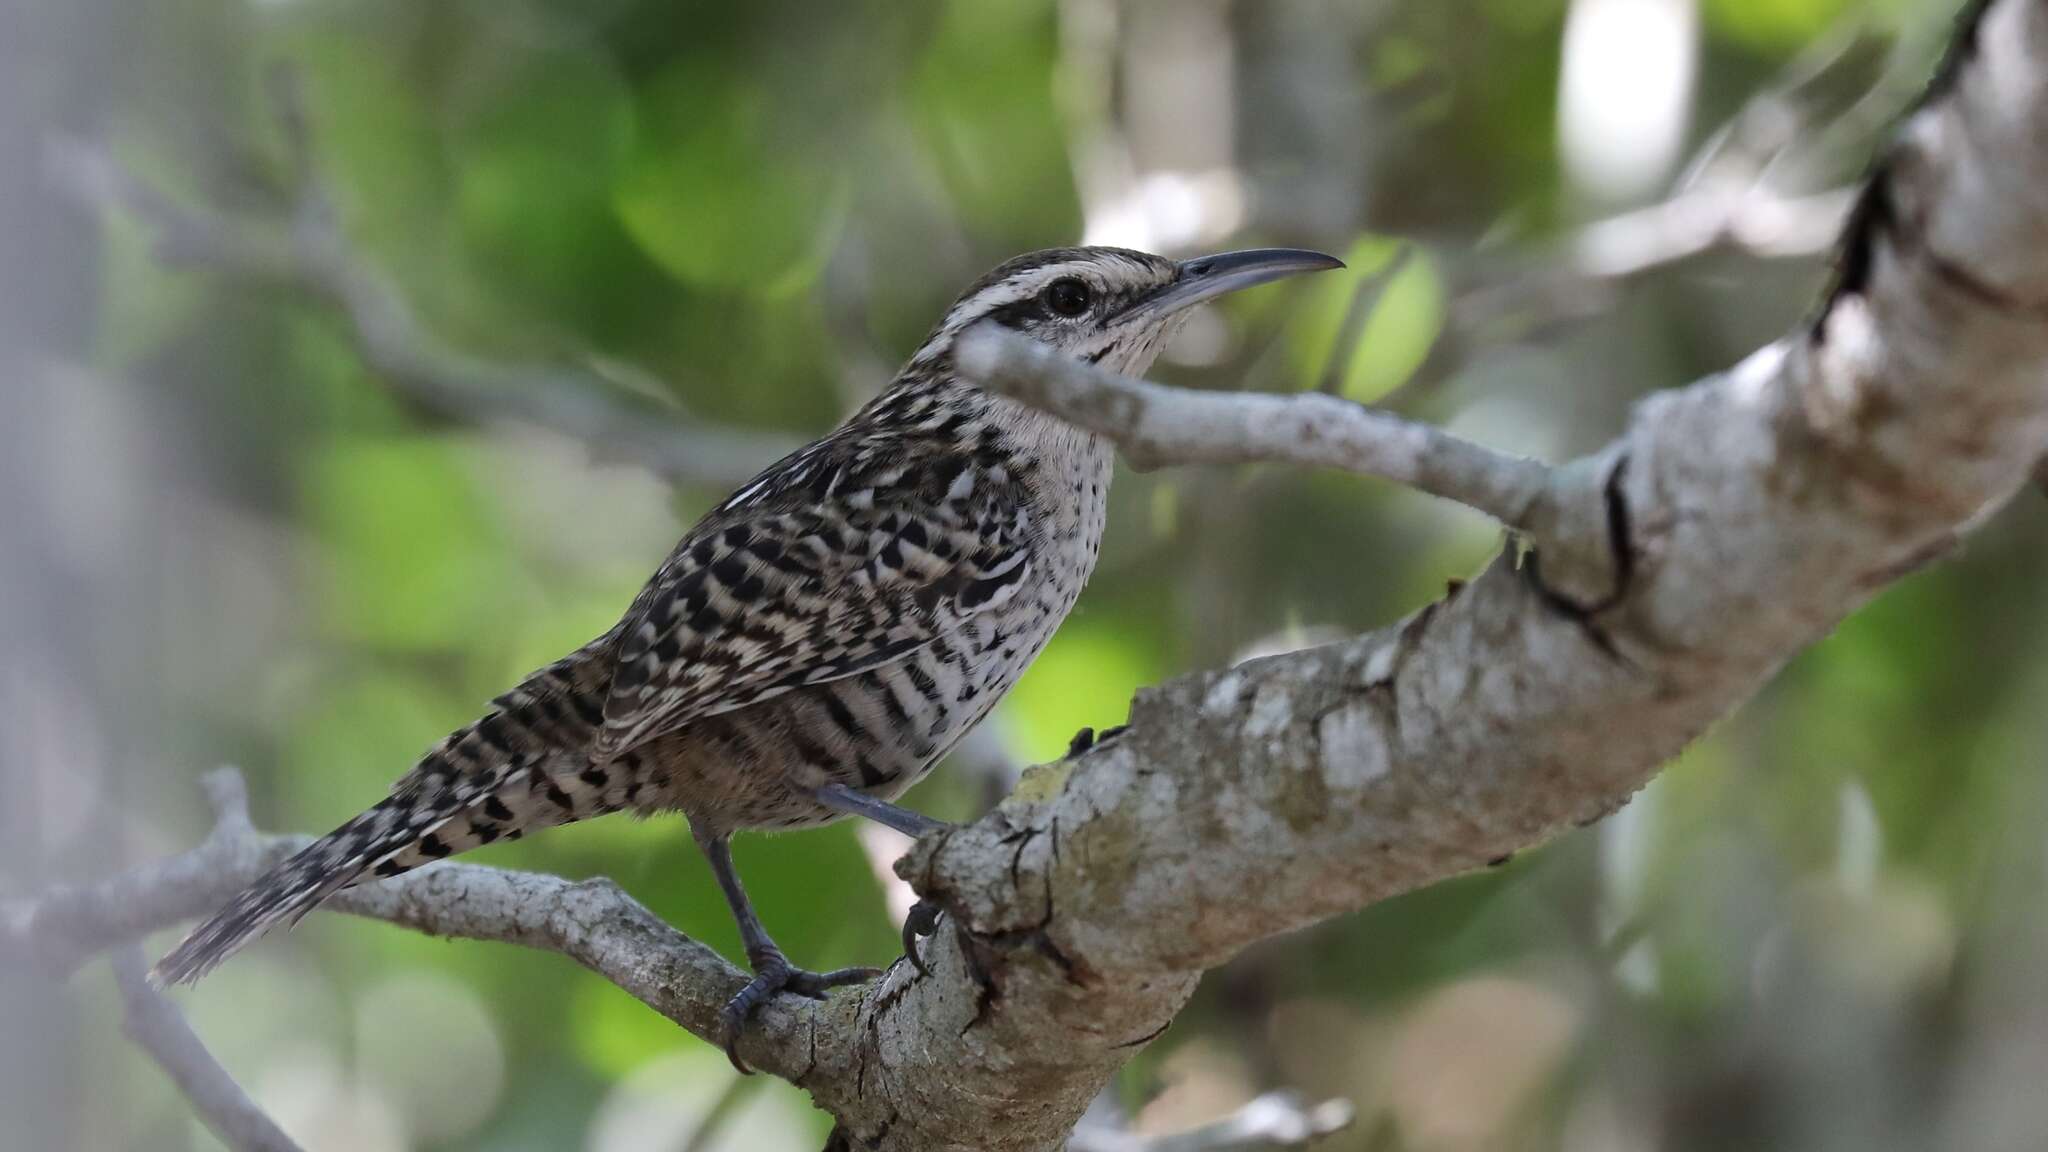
(1155, 425)
(158, 1028)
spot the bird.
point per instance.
(814, 644)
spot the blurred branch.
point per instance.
(1749, 219)
(63, 927)
(158, 1028)
(1730, 197)
(1275, 1120)
(592, 922)
(1156, 425)
(731, 1098)
(148, 1018)
(1583, 276)
(310, 253)
(1742, 217)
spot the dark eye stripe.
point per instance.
(1019, 315)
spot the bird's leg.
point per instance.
(840, 798)
(923, 918)
(772, 970)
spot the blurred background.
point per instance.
(362, 355)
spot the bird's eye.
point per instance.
(1068, 297)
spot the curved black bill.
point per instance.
(1207, 277)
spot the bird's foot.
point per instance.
(1088, 738)
(922, 920)
(774, 974)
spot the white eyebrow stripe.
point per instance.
(1096, 270)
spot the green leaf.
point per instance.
(614, 1034)
(1406, 313)
(1772, 25)
(363, 732)
(713, 197)
(411, 556)
(380, 152)
(536, 159)
(982, 101)
(1084, 679)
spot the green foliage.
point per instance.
(982, 101)
(1080, 681)
(414, 562)
(1402, 308)
(1778, 26)
(339, 756)
(379, 146)
(715, 196)
(537, 150)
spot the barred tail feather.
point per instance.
(523, 766)
(288, 891)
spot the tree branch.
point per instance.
(1735, 522)
(1732, 524)
(1155, 425)
(1733, 195)
(62, 928)
(1273, 1121)
(158, 1028)
(310, 253)
(592, 922)
(147, 1017)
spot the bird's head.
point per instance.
(1109, 306)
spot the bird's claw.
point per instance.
(1088, 738)
(774, 974)
(922, 920)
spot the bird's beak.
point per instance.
(1207, 277)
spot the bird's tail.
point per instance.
(523, 766)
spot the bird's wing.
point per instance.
(825, 571)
